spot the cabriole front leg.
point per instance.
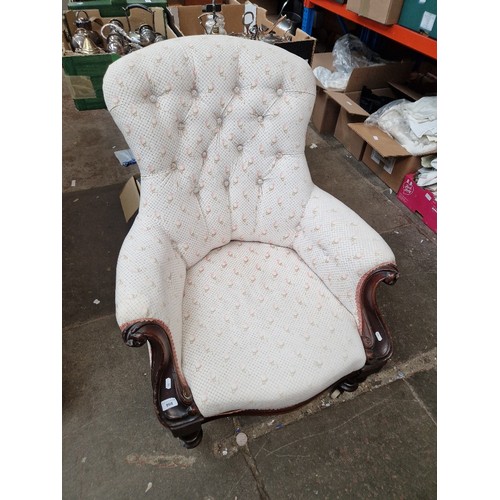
(374, 335)
(172, 398)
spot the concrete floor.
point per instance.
(379, 442)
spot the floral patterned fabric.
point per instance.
(217, 125)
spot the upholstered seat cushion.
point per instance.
(262, 331)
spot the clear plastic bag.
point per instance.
(125, 157)
(349, 52)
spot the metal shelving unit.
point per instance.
(420, 43)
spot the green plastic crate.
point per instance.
(113, 8)
(420, 16)
(84, 75)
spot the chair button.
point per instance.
(260, 181)
(153, 98)
(236, 90)
(279, 91)
(173, 166)
(279, 155)
(219, 121)
(204, 154)
(196, 189)
(260, 118)
(181, 125)
(239, 147)
(226, 183)
(194, 93)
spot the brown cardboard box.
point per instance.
(130, 197)
(351, 112)
(382, 11)
(353, 5)
(326, 111)
(405, 91)
(384, 155)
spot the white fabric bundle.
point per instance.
(412, 124)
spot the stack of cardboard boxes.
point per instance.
(339, 113)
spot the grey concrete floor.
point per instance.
(379, 442)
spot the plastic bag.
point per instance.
(349, 52)
(412, 124)
(125, 157)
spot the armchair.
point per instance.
(254, 289)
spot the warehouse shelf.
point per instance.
(412, 39)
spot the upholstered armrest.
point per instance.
(340, 247)
(150, 281)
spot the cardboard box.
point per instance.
(84, 73)
(130, 197)
(352, 112)
(419, 200)
(353, 5)
(349, 112)
(186, 20)
(405, 92)
(326, 110)
(383, 11)
(384, 155)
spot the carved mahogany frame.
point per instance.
(174, 403)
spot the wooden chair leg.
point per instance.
(375, 335)
(173, 401)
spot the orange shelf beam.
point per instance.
(412, 39)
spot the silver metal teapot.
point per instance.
(214, 24)
(116, 44)
(82, 21)
(78, 38)
(147, 35)
(88, 46)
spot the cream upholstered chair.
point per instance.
(254, 288)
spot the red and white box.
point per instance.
(419, 200)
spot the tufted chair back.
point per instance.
(217, 126)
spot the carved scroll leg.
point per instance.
(173, 401)
(375, 335)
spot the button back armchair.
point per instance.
(254, 289)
